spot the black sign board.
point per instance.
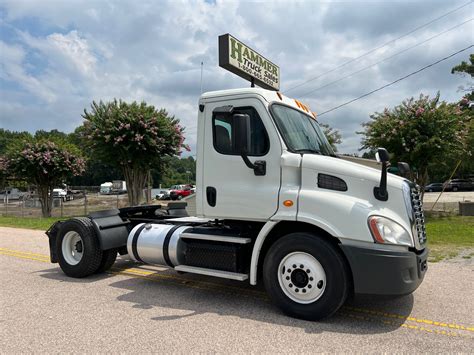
(243, 61)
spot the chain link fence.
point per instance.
(77, 204)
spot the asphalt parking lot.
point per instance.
(148, 309)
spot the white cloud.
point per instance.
(13, 70)
(79, 51)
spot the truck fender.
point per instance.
(257, 247)
(110, 228)
(265, 231)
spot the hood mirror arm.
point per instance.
(380, 192)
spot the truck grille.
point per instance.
(419, 217)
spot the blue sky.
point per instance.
(57, 56)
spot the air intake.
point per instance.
(331, 183)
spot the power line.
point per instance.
(387, 58)
(379, 47)
(396, 81)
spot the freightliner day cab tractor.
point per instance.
(274, 205)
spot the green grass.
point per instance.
(29, 223)
(449, 237)
(458, 230)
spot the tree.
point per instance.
(175, 171)
(333, 135)
(420, 132)
(45, 164)
(135, 137)
(463, 69)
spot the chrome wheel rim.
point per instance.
(302, 277)
(72, 248)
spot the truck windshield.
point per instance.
(300, 132)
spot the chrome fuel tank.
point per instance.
(158, 244)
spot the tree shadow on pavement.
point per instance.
(192, 295)
(189, 295)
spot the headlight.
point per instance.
(407, 198)
(386, 231)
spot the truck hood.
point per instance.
(343, 168)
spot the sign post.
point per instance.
(243, 61)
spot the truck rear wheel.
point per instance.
(306, 276)
(108, 259)
(78, 249)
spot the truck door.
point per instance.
(231, 189)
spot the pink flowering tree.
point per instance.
(133, 136)
(45, 164)
(421, 132)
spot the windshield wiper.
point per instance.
(307, 150)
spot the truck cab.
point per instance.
(275, 205)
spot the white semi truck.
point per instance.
(274, 205)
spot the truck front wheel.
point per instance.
(78, 249)
(306, 276)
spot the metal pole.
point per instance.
(202, 65)
(444, 185)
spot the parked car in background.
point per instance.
(106, 188)
(162, 194)
(435, 186)
(65, 195)
(460, 185)
(177, 192)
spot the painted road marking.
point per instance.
(210, 286)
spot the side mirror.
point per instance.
(241, 142)
(241, 133)
(403, 168)
(382, 155)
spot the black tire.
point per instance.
(92, 254)
(108, 259)
(337, 276)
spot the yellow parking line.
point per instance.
(405, 318)
(408, 326)
(203, 285)
(17, 255)
(23, 252)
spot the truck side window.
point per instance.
(222, 133)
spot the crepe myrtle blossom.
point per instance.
(46, 165)
(133, 136)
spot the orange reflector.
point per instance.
(287, 203)
(298, 103)
(375, 230)
(279, 95)
(314, 115)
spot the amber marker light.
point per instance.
(287, 203)
(375, 230)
